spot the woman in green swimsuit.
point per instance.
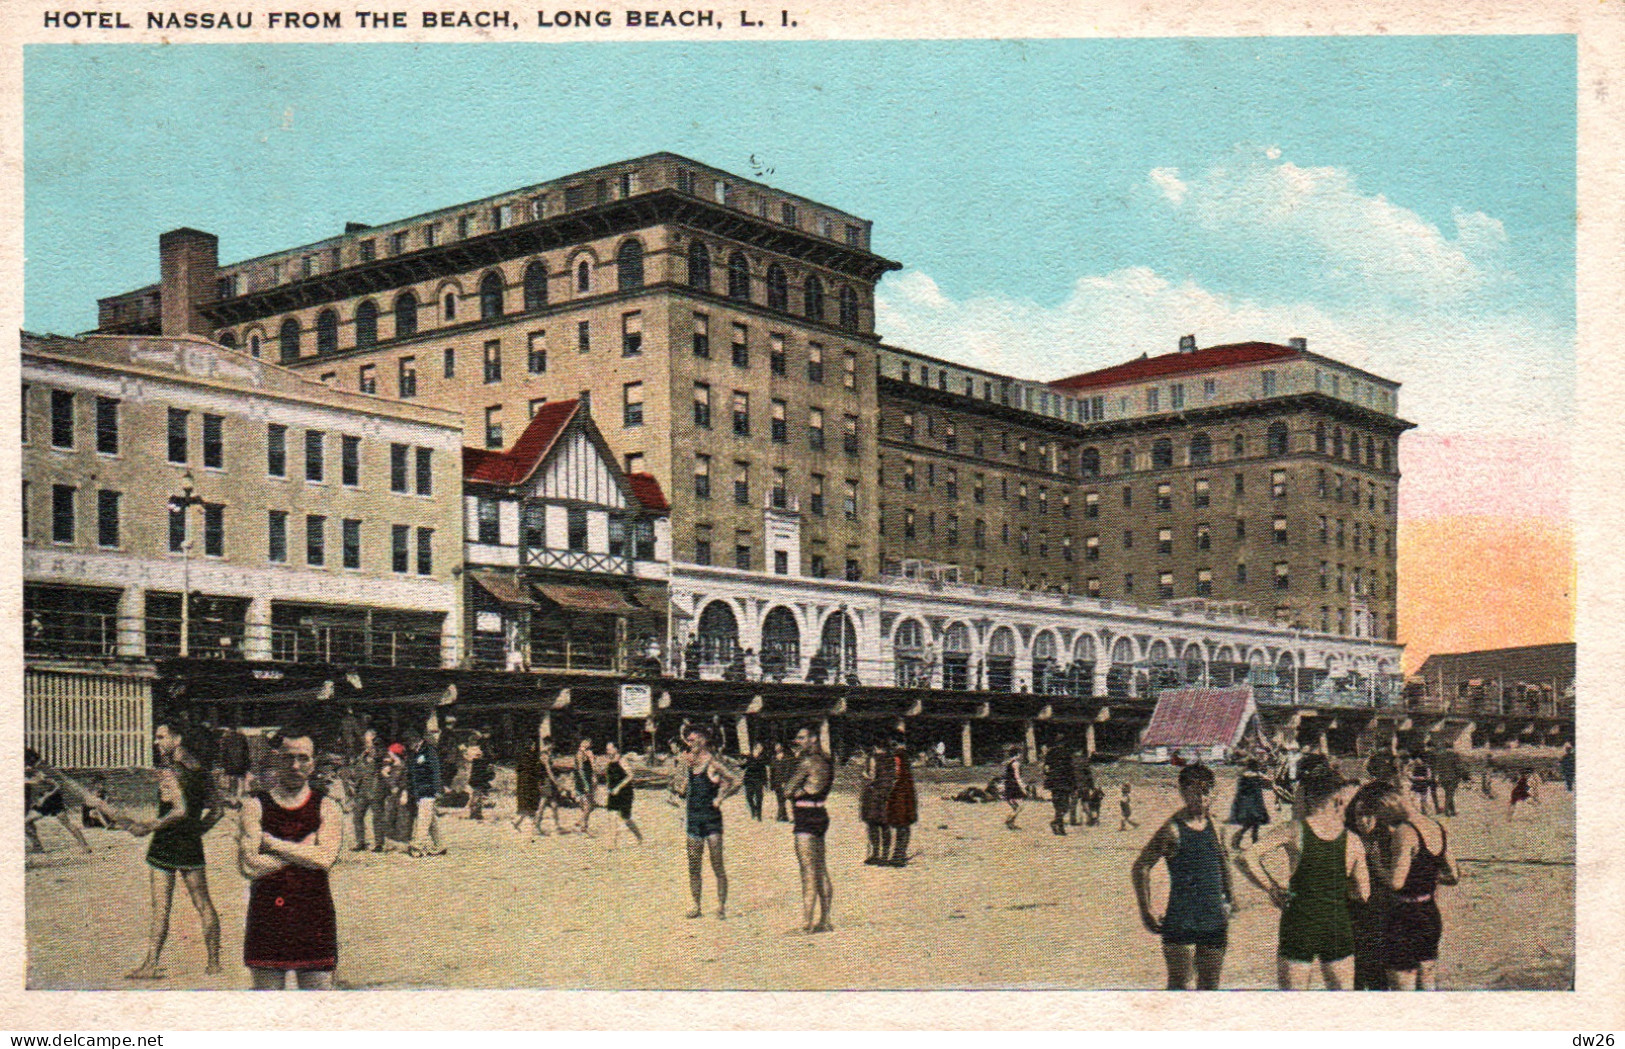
(1327, 866)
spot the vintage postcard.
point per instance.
(1059, 504)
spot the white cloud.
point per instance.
(1167, 180)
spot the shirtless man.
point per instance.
(808, 787)
(1195, 925)
(1323, 859)
(290, 839)
(705, 782)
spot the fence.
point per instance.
(94, 720)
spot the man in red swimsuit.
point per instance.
(290, 838)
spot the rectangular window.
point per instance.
(487, 522)
(815, 429)
(702, 551)
(1279, 528)
(1091, 548)
(1277, 484)
(1202, 494)
(632, 404)
(1128, 582)
(632, 333)
(742, 557)
(448, 360)
(425, 551)
(815, 497)
(849, 370)
(214, 530)
(178, 526)
(815, 362)
(702, 477)
(367, 381)
(849, 439)
(849, 501)
(1325, 575)
(106, 425)
(702, 335)
(1128, 539)
(1269, 383)
(1204, 582)
(397, 467)
(1128, 498)
(399, 556)
(854, 573)
(1165, 585)
(1282, 580)
(1091, 505)
(583, 337)
(315, 454)
(741, 346)
(741, 414)
(315, 539)
(62, 422)
(1165, 541)
(1241, 485)
(430, 234)
(1241, 529)
(408, 377)
(214, 444)
(1241, 572)
(1152, 397)
(950, 485)
(702, 405)
(425, 471)
(1165, 496)
(1176, 396)
(493, 361)
(350, 460)
(397, 243)
(276, 536)
(780, 493)
(778, 426)
(742, 483)
(107, 518)
(1210, 388)
(817, 570)
(775, 354)
(178, 436)
(369, 251)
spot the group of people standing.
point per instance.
(540, 788)
(888, 804)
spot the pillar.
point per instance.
(449, 637)
(1102, 670)
(823, 735)
(1032, 742)
(742, 728)
(257, 628)
(964, 744)
(1089, 740)
(132, 622)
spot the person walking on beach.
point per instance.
(44, 797)
(586, 783)
(808, 787)
(1247, 809)
(1011, 785)
(423, 772)
(1421, 782)
(1421, 863)
(618, 781)
(902, 805)
(707, 783)
(364, 784)
(779, 773)
(1059, 781)
(1195, 924)
(755, 775)
(1522, 790)
(1448, 774)
(548, 787)
(188, 805)
(878, 770)
(290, 838)
(1324, 860)
(1126, 804)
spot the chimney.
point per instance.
(356, 227)
(1187, 344)
(1299, 343)
(188, 261)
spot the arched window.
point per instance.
(1125, 461)
(956, 657)
(1278, 438)
(839, 644)
(849, 309)
(1162, 453)
(1195, 663)
(228, 339)
(717, 633)
(583, 277)
(327, 332)
(1089, 462)
(1201, 450)
(406, 315)
(366, 323)
(288, 340)
(699, 266)
(781, 644)
(738, 277)
(535, 286)
(1337, 443)
(1320, 438)
(1001, 660)
(1046, 676)
(778, 289)
(490, 297)
(629, 266)
(908, 655)
(1083, 650)
(812, 299)
(254, 350)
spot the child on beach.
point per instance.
(1126, 803)
(1195, 925)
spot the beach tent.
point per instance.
(1202, 724)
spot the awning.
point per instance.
(503, 588)
(599, 599)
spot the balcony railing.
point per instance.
(578, 561)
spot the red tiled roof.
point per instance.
(1199, 717)
(516, 464)
(648, 492)
(1178, 364)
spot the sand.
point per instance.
(978, 907)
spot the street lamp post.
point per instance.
(183, 504)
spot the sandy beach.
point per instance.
(978, 907)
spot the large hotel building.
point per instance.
(926, 522)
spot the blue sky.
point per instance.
(1405, 203)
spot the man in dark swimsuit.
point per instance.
(808, 787)
(290, 838)
(705, 783)
(1195, 925)
(188, 805)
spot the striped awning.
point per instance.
(599, 599)
(505, 589)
